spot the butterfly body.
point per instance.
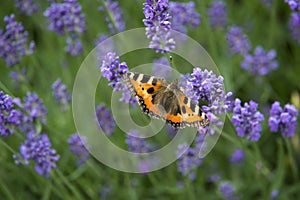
(159, 98)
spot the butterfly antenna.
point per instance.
(171, 62)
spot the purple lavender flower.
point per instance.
(238, 156)
(162, 68)
(205, 85)
(35, 108)
(189, 160)
(77, 147)
(113, 71)
(227, 190)
(274, 194)
(105, 120)
(136, 144)
(283, 119)
(39, 150)
(158, 25)
(261, 63)
(74, 46)
(294, 4)
(27, 7)
(13, 42)
(105, 191)
(238, 42)
(9, 117)
(217, 14)
(267, 3)
(294, 26)
(183, 15)
(18, 76)
(61, 94)
(247, 120)
(67, 18)
(115, 19)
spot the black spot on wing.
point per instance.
(193, 106)
(150, 90)
(183, 109)
(185, 100)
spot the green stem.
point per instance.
(3, 87)
(7, 146)
(190, 190)
(293, 162)
(68, 184)
(6, 192)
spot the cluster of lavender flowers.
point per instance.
(247, 119)
(61, 94)
(238, 156)
(238, 41)
(294, 5)
(137, 144)
(13, 42)
(206, 85)
(77, 146)
(183, 15)
(9, 117)
(26, 7)
(261, 62)
(294, 23)
(188, 158)
(217, 14)
(105, 120)
(38, 149)
(158, 25)
(113, 71)
(18, 76)
(36, 146)
(115, 19)
(227, 190)
(67, 18)
(283, 119)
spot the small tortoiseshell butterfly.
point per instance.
(159, 98)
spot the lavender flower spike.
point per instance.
(113, 71)
(238, 42)
(34, 107)
(9, 117)
(247, 119)
(39, 150)
(67, 18)
(61, 94)
(77, 147)
(238, 156)
(136, 144)
(158, 25)
(183, 15)
(261, 63)
(294, 26)
(283, 119)
(27, 7)
(294, 4)
(105, 120)
(217, 14)
(116, 18)
(13, 42)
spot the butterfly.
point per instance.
(159, 98)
